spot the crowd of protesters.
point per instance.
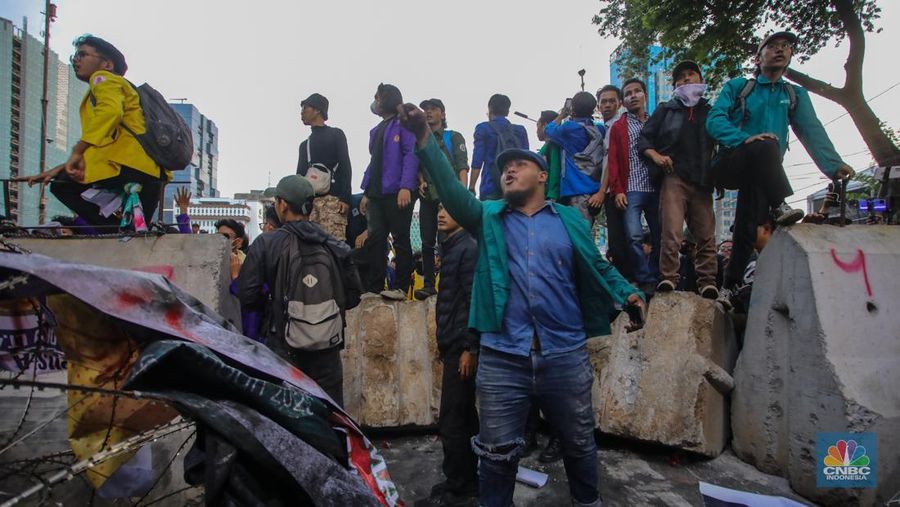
(507, 241)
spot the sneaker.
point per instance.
(551, 453)
(786, 215)
(394, 295)
(709, 292)
(724, 299)
(665, 286)
(423, 294)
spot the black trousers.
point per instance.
(458, 423)
(69, 191)
(323, 366)
(385, 217)
(755, 170)
(617, 239)
(428, 211)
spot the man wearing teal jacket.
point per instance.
(750, 123)
(540, 289)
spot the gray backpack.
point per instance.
(167, 140)
(310, 291)
(590, 159)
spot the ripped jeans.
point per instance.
(560, 385)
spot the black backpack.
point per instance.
(506, 140)
(315, 286)
(167, 140)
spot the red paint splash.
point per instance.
(127, 299)
(857, 264)
(175, 320)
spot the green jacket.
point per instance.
(600, 285)
(767, 108)
(551, 152)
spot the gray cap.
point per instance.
(294, 189)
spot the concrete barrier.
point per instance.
(668, 382)
(392, 376)
(198, 263)
(822, 354)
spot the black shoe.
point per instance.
(438, 490)
(423, 294)
(451, 499)
(551, 453)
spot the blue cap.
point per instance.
(519, 154)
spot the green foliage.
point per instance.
(722, 35)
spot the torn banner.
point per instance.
(151, 310)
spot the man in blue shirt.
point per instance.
(490, 137)
(540, 287)
(575, 187)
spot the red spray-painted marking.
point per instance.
(174, 316)
(857, 264)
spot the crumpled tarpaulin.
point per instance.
(225, 382)
(100, 354)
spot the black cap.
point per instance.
(433, 103)
(792, 38)
(519, 154)
(548, 116)
(317, 102)
(685, 65)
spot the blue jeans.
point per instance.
(560, 385)
(646, 203)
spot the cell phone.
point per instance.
(568, 103)
(635, 315)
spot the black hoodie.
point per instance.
(260, 268)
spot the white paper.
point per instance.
(743, 498)
(108, 202)
(531, 477)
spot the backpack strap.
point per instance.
(742, 98)
(792, 98)
(448, 143)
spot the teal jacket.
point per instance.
(600, 285)
(767, 108)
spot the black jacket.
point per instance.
(260, 269)
(459, 256)
(329, 147)
(663, 131)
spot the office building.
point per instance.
(21, 89)
(206, 211)
(201, 176)
(657, 75)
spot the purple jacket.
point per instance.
(400, 168)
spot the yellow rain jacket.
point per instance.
(110, 102)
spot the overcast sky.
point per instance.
(247, 66)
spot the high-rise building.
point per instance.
(21, 89)
(201, 176)
(657, 75)
(724, 210)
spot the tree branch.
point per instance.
(816, 86)
(857, 38)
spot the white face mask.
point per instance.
(690, 94)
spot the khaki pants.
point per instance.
(327, 213)
(680, 201)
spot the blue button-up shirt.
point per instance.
(485, 152)
(542, 296)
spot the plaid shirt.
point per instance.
(638, 174)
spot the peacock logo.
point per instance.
(846, 453)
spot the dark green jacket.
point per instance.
(600, 285)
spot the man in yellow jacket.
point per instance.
(108, 156)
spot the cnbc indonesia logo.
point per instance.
(847, 460)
